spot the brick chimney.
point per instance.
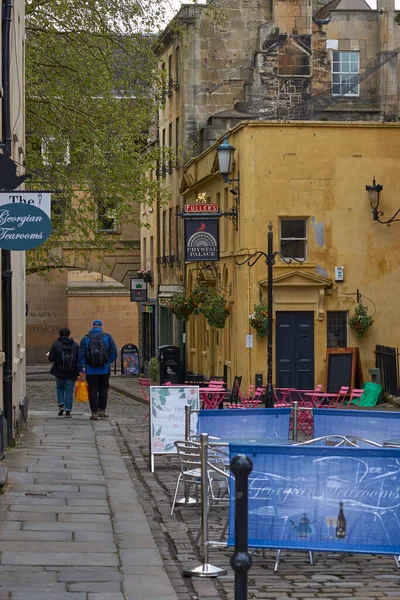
(293, 16)
(387, 74)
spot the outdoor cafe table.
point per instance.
(211, 398)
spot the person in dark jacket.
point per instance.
(97, 376)
(64, 356)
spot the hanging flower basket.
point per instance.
(146, 275)
(216, 311)
(259, 320)
(360, 322)
(180, 306)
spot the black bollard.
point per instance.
(241, 467)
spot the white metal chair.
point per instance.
(190, 467)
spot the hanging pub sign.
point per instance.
(138, 290)
(201, 239)
(41, 200)
(201, 208)
(23, 227)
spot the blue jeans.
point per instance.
(65, 389)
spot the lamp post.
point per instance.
(374, 192)
(270, 259)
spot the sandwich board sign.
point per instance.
(167, 417)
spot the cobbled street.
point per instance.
(333, 576)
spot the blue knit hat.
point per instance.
(97, 323)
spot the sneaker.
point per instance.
(68, 414)
(94, 417)
(103, 414)
(60, 410)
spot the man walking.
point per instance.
(97, 351)
(64, 356)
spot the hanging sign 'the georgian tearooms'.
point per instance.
(24, 216)
(23, 227)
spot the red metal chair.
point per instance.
(340, 398)
(356, 393)
(305, 422)
(145, 389)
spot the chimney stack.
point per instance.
(293, 16)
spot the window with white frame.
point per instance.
(293, 238)
(345, 73)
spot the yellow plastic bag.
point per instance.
(81, 390)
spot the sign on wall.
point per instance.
(23, 227)
(138, 290)
(41, 200)
(167, 417)
(201, 239)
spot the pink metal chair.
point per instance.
(356, 393)
(305, 421)
(340, 398)
(283, 397)
(145, 389)
(249, 400)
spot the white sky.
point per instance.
(175, 4)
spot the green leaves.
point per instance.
(91, 89)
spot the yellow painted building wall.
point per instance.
(317, 171)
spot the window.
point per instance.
(294, 238)
(345, 73)
(177, 142)
(336, 328)
(106, 216)
(55, 151)
(177, 67)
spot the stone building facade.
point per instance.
(317, 196)
(236, 60)
(16, 147)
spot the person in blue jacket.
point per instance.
(97, 351)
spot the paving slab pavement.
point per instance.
(333, 577)
(69, 499)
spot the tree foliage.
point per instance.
(91, 99)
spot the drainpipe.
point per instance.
(6, 254)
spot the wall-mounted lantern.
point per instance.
(225, 162)
(374, 192)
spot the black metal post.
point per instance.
(241, 561)
(269, 398)
(8, 343)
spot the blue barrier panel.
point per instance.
(234, 424)
(377, 426)
(329, 499)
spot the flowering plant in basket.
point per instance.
(360, 322)
(259, 319)
(216, 311)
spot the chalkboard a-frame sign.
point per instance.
(343, 367)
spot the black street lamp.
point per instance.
(270, 257)
(374, 191)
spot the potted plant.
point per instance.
(154, 369)
(216, 311)
(360, 322)
(146, 275)
(181, 306)
(259, 319)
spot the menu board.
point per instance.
(167, 416)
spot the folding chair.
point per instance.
(305, 417)
(235, 393)
(356, 393)
(145, 389)
(340, 398)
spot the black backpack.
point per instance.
(97, 352)
(67, 356)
